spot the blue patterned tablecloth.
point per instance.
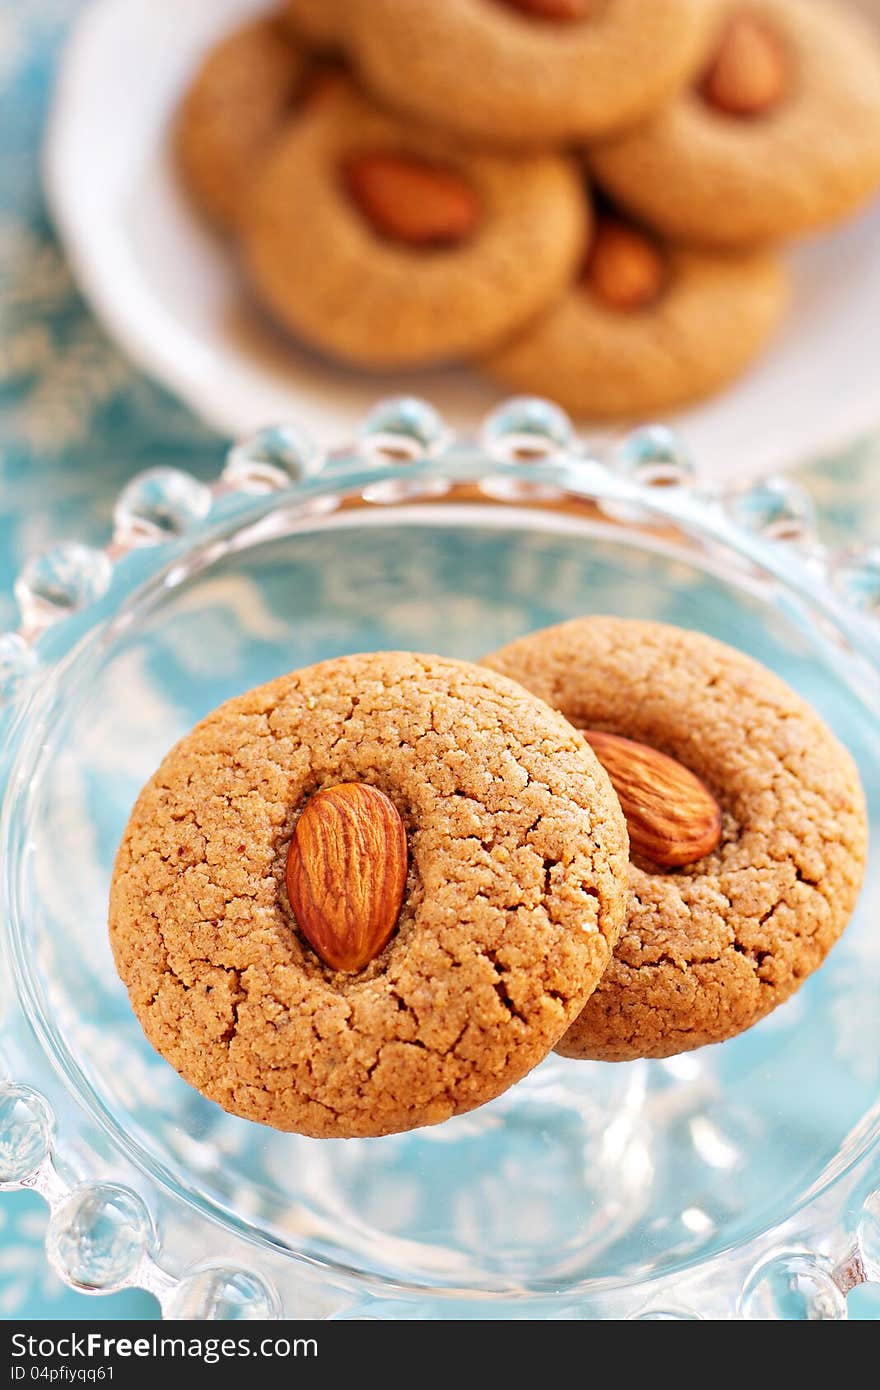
(76, 419)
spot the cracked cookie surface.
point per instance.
(515, 896)
(709, 949)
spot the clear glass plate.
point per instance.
(739, 1180)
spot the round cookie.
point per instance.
(461, 250)
(491, 70)
(646, 327)
(710, 949)
(799, 150)
(233, 109)
(320, 22)
(513, 902)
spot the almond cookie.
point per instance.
(450, 844)
(320, 22)
(387, 246)
(646, 326)
(236, 105)
(711, 947)
(780, 135)
(528, 71)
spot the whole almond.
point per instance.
(749, 75)
(672, 817)
(410, 200)
(346, 873)
(624, 268)
(564, 10)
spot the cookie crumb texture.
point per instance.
(514, 900)
(710, 949)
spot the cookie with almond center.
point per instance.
(369, 895)
(779, 135)
(713, 945)
(646, 326)
(385, 244)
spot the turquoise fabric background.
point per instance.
(76, 420)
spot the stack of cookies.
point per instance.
(585, 197)
(374, 893)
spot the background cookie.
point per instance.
(235, 106)
(645, 327)
(709, 949)
(320, 22)
(800, 148)
(386, 245)
(497, 72)
(514, 897)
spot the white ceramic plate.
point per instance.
(168, 291)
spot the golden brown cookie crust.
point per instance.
(712, 318)
(233, 109)
(715, 180)
(710, 949)
(515, 896)
(327, 274)
(488, 71)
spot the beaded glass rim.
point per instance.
(103, 1235)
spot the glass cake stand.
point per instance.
(739, 1181)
